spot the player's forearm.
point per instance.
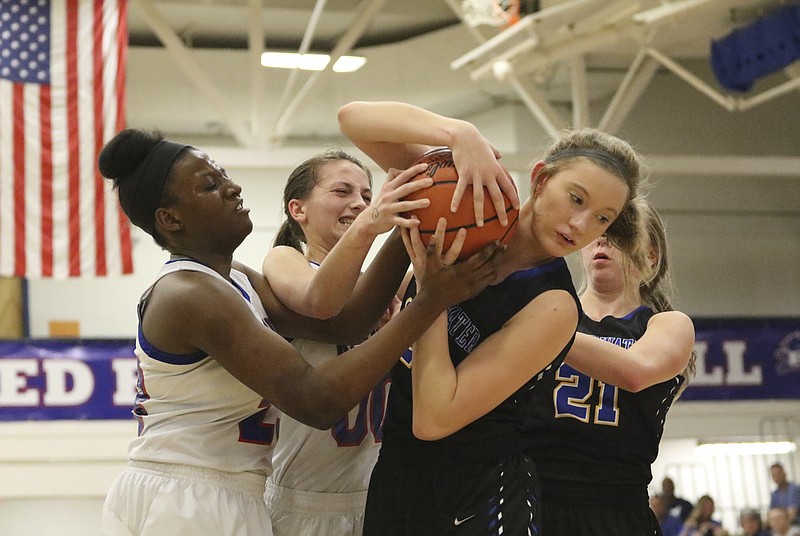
(333, 282)
(374, 290)
(434, 383)
(349, 377)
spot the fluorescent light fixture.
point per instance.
(749, 448)
(348, 64)
(310, 62)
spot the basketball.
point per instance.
(443, 172)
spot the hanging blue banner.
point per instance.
(75, 380)
(737, 359)
(746, 359)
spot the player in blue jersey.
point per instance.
(213, 373)
(451, 460)
(596, 422)
(319, 482)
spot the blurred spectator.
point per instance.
(778, 520)
(750, 521)
(681, 508)
(670, 525)
(786, 495)
(700, 521)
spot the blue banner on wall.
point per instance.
(75, 380)
(746, 359)
(737, 359)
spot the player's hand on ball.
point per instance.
(436, 270)
(387, 210)
(477, 163)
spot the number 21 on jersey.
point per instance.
(574, 397)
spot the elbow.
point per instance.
(354, 119)
(343, 115)
(323, 311)
(633, 383)
(634, 386)
(426, 430)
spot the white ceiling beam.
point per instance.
(636, 80)
(670, 10)
(258, 80)
(726, 101)
(561, 49)
(767, 95)
(305, 44)
(580, 94)
(192, 69)
(538, 105)
(793, 70)
(364, 16)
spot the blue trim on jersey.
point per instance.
(166, 357)
(555, 264)
(240, 289)
(632, 313)
(179, 259)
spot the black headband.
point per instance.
(598, 155)
(147, 182)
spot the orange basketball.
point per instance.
(443, 172)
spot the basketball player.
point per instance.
(597, 422)
(319, 482)
(451, 460)
(213, 373)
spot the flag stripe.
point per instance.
(99, 191)
(125, 239)
(32, 178)
(47, 181)
(60, 144)
(6, 185)
(74, 138)
(19, 180)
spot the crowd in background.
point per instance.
(680, 517)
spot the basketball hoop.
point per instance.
(498, 13)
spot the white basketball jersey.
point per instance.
(338, 460)
(194, 412)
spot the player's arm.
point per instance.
(447, 398)
(372, 294)
(191, 311)
(659, 355)
(325, 291)
(394, 134)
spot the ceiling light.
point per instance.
(749, 448)
(310, 62)
(348, 64)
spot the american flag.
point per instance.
(62, 96)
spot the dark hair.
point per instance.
(139, 163)
(301, 182)
(618, 157)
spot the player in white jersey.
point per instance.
(212, 368)
(232, 422)
(320, 481)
